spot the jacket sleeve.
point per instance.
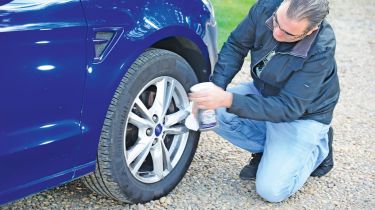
(235, 49)
(294, 98)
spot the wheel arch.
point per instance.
(190, 52)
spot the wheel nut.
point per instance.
(148, 131)
(155, 118)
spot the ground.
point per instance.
(212, 181)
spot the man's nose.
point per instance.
(278, 32)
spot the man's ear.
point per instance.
(312, 30)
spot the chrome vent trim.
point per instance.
(101, 42)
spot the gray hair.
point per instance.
(313, 10)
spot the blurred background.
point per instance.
(228, 14)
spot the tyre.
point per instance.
(145, 149)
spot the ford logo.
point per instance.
(158, 130)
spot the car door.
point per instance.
(42, 73)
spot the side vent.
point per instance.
(101, 42)
(104, 40)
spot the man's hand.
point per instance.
(211, 98)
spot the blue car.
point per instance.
(98, 89)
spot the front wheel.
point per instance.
(145, 149)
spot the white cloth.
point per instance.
(191, 122)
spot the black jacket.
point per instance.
(299, 82)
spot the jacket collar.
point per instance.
(302, 47)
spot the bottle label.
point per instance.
(207, 119)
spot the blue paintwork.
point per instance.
(55, 94)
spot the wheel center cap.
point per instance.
(158, 130)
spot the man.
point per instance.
(283, 117)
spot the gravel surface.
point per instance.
(212, 181)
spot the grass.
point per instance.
(229, 14)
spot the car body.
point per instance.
(62, 62)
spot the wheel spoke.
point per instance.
(161, 89)
(179, 129)
(157, 159)
(168, 97)
(145, 112)
(163, 96)
(167, 157)
(139, 122)
(141, 146)
(140, 159)
(175, 118)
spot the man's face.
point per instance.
(286, 29)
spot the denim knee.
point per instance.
(273, 190)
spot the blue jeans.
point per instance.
(291, 150)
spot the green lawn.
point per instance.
(228, 14)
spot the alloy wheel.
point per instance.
(155, 134)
